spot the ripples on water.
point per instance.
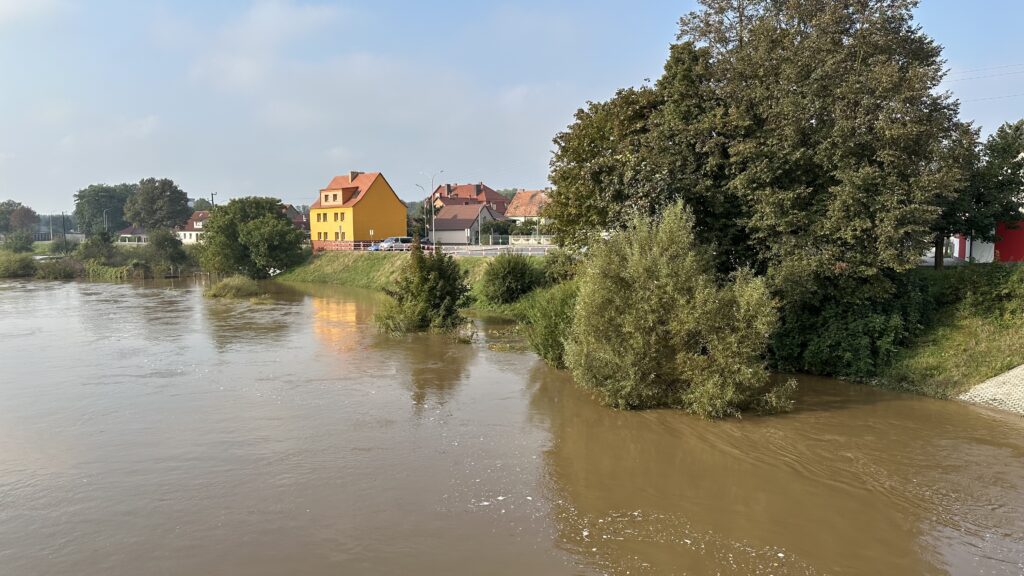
(147, 430)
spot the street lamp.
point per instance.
(430, 198)
(105, 227)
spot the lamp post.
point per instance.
(430, 198)
(105, 227)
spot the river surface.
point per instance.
(147, 430)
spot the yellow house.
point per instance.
(355, 207)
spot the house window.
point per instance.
(342, 235)
(342, 216)
(335, 216)
(335, 198)
(325, 198)
(337, 236)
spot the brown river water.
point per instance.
(147, 430)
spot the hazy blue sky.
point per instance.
(273, 97)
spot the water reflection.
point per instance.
(432, 366)
(247, 323)
(812, 492)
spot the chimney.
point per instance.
(479, 188)
(448, 190)
(352, 175)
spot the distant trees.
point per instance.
(101, 207)
(7, 207)
(250, 236)
(157, 204)
(23, 218)
(202, 204)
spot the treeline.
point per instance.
(815, 150)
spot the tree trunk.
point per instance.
(940, 250)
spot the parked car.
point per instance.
(396, 243)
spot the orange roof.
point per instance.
(197, 216)
(527, 203)
(480, 192)
(358, 181)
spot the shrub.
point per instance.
(62, 269)
(427, 295)
(234, 287)
(61, 245)
(97, 248)
(653, 325)
(560, 266)
(19, 241)
(549, 316)
(509, 277)
(16, 265)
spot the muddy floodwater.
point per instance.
(147, 430)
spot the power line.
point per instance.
(994, 97)
(1017, 73)
(987, 68)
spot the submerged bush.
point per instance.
(549, 315)
(234, 287)
(16, 265)
(509, 277)
(654, 327)
(62, 269)
(427, 295)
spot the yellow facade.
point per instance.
(357, 208)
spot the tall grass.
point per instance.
(14, 265)
(234, 287)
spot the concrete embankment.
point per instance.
(1005, 392)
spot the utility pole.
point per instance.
(64, 233)
(212, 203)
(105, 227)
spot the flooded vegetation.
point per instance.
(149, 430)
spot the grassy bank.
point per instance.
(370, 270)
(975, 332)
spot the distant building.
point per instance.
(460, 223)
(449, 194)
(355, 207)
(1008, 248)
(297, 218)
(526, 206)
(133, 236)
(190, 232)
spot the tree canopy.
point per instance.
(202, 204)
(157, 204)
(92, 202)
(249, 236)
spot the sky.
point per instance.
(274, 97)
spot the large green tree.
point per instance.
(250, 236)
(202, 204)
(7, 207)
(157, 204)
(23, 218)
(100, 207)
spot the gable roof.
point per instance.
(359, 182)
(133, 230)
(527, 203)
(479, 192)
(461, 216)
(197, 216)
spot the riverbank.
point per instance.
(971, 335)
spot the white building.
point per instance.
(190, 232)
(460, 224)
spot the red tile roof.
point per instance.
(479, 192)
(354, 183)
(197, 216)
(527, 203)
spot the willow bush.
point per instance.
(655, 327)
(509, 277)
(427, 295)
(549, 316)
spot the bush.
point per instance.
(62, 269)
(654, 327)
(234, 287)
(427, 295)
(560, 266)
(509, 277)
(16, 265)
(61, 245)
(549, 317)
(97, 248)
(19, 241)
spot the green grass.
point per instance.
(235, 287)
(956, 355)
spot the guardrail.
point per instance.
(453, 249)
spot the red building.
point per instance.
(463, 194)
